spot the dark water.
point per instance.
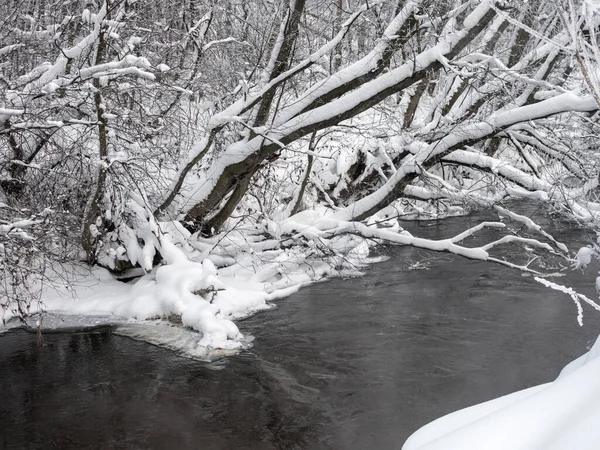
(347, 364)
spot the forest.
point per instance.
(190, 161)
(138, 133)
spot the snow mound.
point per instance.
(583, 257)
(191, 292)
(560, 415)
(187, 304)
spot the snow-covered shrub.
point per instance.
(29, 246)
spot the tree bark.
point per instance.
(93, 207)
(466, 136)
(396, 80)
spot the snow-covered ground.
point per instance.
(187, 304)
(560, 415)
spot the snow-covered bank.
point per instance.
(203, 285)
(187, 304)
(559, 415)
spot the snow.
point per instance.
(575, 296)
(190, 301)
(559, 415)
(6, 112)
(183, 341)
(531, 225)
(362, 66)
(462, 134)
(204, 300)
(182, 288)
(9, 48)
(584, 257)
(128, 65)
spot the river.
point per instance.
(346, 364)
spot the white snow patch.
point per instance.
(583, 257)
(559, 415)
(189, 305)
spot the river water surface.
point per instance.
(346, 364)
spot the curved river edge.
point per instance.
(347, 364)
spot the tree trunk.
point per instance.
(352, 104)
(93, 206)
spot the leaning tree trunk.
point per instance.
(329, 109)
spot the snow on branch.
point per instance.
(355, 71)
(289, 127)
(243, 105)
(311, 227)
(503, 72)
(569, 161)
(10, 48)
(455, 195)
(104, 69)
(552, 41)
(7, 112)
(509, 239)
(18, 225)
(56, 70)
(530, 224)
(373, 91)
(227, 40)
(492, 88)
(464, 135)
(471, 231)
(575, 296)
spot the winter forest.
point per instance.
(185, 163)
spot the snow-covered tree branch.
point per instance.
(239, 129)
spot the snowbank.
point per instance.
(563, 414)
(187, 304)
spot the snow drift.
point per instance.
(563, 414)
(187, 304)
